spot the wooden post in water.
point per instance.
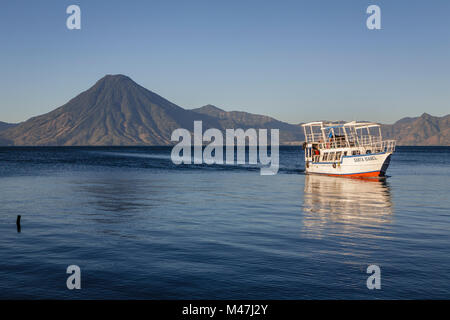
(18, 223)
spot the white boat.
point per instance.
(352, 149)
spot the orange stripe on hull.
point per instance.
(358, 175)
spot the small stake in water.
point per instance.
(18, 223)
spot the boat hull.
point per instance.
(359, 166)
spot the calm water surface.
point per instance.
(140, 227)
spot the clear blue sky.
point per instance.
(293, 60)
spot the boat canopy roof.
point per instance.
(326, 126)
(333, 127)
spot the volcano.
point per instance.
(117, 111)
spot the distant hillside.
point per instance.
(118, 111)
(5, 125)
(237, 119)
(423, 130)
(115, 111)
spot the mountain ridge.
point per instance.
(114, 111)
(6, 125)
(423, 130)
(118, 111)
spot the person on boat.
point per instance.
(316, 154)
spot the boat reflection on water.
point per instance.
(350, 207)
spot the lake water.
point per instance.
(140, 227)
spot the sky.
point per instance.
(296, 61)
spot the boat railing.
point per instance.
(389, 145)
(370, 143)
(338, 142)
(314, 137)
(380, 146)
(368, 140)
